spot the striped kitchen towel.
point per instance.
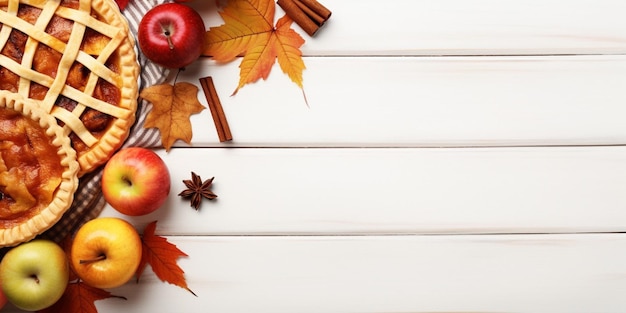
(88, 200)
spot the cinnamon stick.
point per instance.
(215, 106)
(317, 19)
(318, 8)
(310, 15)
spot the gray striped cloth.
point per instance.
(88, 200)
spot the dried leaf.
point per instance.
(162, 257)
(172, 106)
(249, 29)
(79, 298)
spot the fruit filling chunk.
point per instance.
(30, 167)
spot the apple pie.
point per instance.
(76, 58)
(38, 169)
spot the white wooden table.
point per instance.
(455, 156)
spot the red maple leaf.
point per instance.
(162, 257)
(79, 298)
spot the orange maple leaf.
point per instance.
(172, 106)
(79, 298)
(162, 256)
(249, 29)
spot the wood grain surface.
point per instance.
(454, 156)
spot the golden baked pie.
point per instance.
(38, 170)
(77, 59)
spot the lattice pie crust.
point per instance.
(76, 58)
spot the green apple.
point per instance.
(34, 274)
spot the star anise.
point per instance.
(197, 189)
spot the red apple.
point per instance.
(135, 181)
(3, 298)
(171, 35)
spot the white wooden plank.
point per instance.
(430, 101)
(526, 273)
(397, 191)
(462, 27)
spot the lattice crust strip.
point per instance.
(70, 53)
(83, 19)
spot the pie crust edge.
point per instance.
(64, 194)
(130, 71)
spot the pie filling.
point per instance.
(30, 173)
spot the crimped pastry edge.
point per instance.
(64, 195)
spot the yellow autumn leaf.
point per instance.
(249, 30)
(172, 106)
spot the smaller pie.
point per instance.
(38, 170)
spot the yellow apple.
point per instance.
(106, 252)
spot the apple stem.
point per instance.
(99, 258)
(168, 36)
(169, 40)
